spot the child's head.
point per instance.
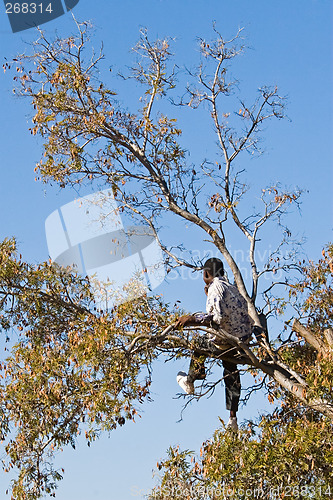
(213, 268)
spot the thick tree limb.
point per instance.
(308, 336)
(329, 336)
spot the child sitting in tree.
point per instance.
(227, 308)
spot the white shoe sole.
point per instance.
(184, 384)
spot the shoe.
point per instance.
(182, 380)
(232, 424)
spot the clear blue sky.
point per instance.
(290, 44)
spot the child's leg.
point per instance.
(232, 386)
(197, 367)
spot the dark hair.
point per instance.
(215, 267)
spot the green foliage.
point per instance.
(315, 306)
(281, 459)
(70, 370)
(317, 286)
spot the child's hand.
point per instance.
(186, 320)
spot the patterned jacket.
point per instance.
(228, 308)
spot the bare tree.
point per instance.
(90, 138)
(74, 363)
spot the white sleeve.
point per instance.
(214, 305)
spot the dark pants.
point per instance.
(230, 374)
